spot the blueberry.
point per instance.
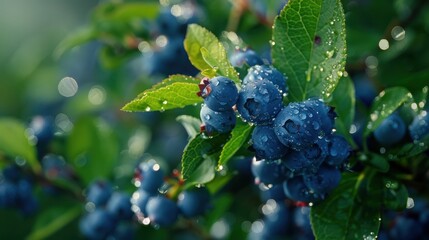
(324, 180)
(269, 172)
(260, 72)
(123, 231)
(299, 125)
(301, 220)
(338, 150)
(11, 173)
(97, 225)
(99, 193)
(219, 93)
(42, 128)
(119, 206)
(275, 193)
(259, 102)
(8, 194)
(365, 90)
(54, 167)
(150, 176)
(419, 128)
(193, 202)
(406, 228)
(307, 159)
(213, 121)
(296, 189)
(266, 144)
(139, 201)
(390, 131)
(325, 113)
(162, 211)
(241, 57)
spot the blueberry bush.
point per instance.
(197, 119)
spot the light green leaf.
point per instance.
(309, 46)
(76, 38)
(204, 173)
(177, 91)
(134, 10)
(343, 215)
(198, 150)
(384, 105)
(191, 124)
(92, 149)
(208, 54)
(14, 142)
(239, 135)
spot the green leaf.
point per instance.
(76, 38)
(395, 195)
(239, 135)
(384, 105)
(14, 142)
(191, 124)
(309, 46)
(208, 54)
(198, 150)
(376, 161)
(92, 149)
(136, 10)
(53, 219)
(204, 173)
(177, 91)
(343, 215)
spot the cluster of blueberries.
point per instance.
(16, 191)
(168, 56)
(111, 214)
(152, 207)
(294, 145)
(412, 224)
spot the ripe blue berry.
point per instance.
(299, 125)
(266, 144)
(390, 131)
(277, 218)
(149, 176)
(419, 128)
(42, 129)
(219, 93)
(296, 190)
(213, 121)
(119, 206)
(260, 72)
(241, 57)
(8, 194)
(301, 220)
(99, 193)
(324, 180)
(269, 172)
(275, 193)
(307, 159)
(338, 150)
(162, 211)
(259, 102)
(139, 201)
(97, 225)
(193, 202)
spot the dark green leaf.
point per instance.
(309, 46)
(221, 206)
(376, 161)
(384, 105)
(14, 142)
(343, 99)
(134, 11)
(410, 150)
(191, 124)
(207, 53)
(177, 91)
(92, 149)
(342, 215)
(53, 219)
(198, 150)
(239, 135)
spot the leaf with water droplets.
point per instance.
(177, 91)
(344, 214)
(343, 99)
(310, 47)
(385, 104)
(239, 135)
(197, 151)
(14, 142)
(208, 54)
